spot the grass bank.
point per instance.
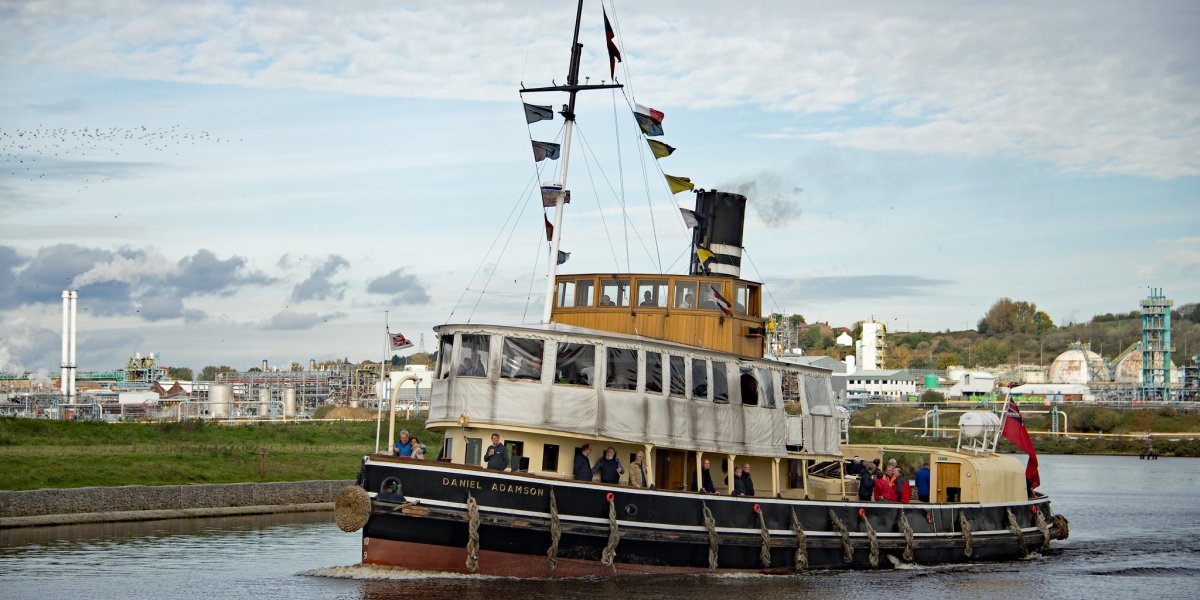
(1080, 419)
(57, 454)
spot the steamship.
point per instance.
(671, 366)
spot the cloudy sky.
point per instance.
(225, 182)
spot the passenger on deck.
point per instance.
(648, 299)
(530, 369)
(404, 445)
(747, 483)
(609, 466)
(866, 482)
(497, 455)
(466, 366)
(855, 468)
(706, 480)
(739, 487)
(583, 466)
(901, 487)
(923, 483)
(637, 471)
(883, 488)
(418, 449)
(688, 301)
(606, 301)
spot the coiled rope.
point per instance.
(873, 543)
(614, 536)
(1016, 530)
(472, 534)
(909, 542)
(711, 525)
(764, 551)
(1063, 526)
(801, 544)
(1045, 529)
(555, 533)
(965, 525)
(840, 527)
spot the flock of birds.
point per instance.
(44, 152)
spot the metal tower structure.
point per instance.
(1156, 345)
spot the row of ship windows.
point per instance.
(652, 293)
(575, 364)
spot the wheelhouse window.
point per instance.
(652, 293)
(766, 387)
(699, 379)
(576, 292)
(708, 301)
(575, 364)
(473, 356)
(720, 382)
(522, 359)
(749, 385)
(614, 292)
(741, 300)
(622, 369)
(685, 294)
(654, 372)
(445, 346)
(791, 387)
(678, 377)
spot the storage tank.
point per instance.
(931, 381)
(289, 402)
(264, 402)
(220, 398)
(978, 423)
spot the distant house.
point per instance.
(896, 384)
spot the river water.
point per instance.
(1135, 529)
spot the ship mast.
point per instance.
(568, 113)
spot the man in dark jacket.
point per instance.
(747, 483)
(583, 467)
(866, 482)
(497, 454)
(609, 466)
(706, 480)
(739, 487)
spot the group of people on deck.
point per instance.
(609, 467)
(408, 447)
(743, 484)
(887, 484)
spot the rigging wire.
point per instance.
(492, 273)
(621, 176)
(625, 213)
(533, 276)
(763, 280)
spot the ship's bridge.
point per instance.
(685, 309)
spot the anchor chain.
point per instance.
(1045, 529)
(847, 548)
(711, 525)
(764, 551)
(966, 531)
(614, 536)
(909, 542)
(873, 543)
(473, 534)
(1016, 530)
(555, 533)
(801, 544)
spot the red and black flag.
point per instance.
(1014, 431)
(614, 55)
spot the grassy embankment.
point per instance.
(57, 454)
(1081, 420)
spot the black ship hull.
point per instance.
(444, 517)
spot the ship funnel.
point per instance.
(720, 232)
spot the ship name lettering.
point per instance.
(462, 483)
(518, 489)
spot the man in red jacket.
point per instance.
(900, 487)
(883, 488)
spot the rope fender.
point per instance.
(801, 544)
(1042, 527)
(1062, 525)
(965, 525)
(711, 525)
(614, 537)
(839, 526)
(909, 542)
(764, 551)
(472, 534)
(555, 533)
(1016, 530)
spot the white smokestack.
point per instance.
(74, 329)
(66, 334)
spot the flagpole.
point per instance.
(387, 346)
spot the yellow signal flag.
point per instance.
(659, 149)
(705, 257)
(679, 184)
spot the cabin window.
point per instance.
(678, 377)
(685, 294)
(473, 356)
(699, 379)
(654, 373)
(791, 387)
(522, 359)
(614, 292)
(474, 451)
(741, 300)
(749, 386)
(622, 369)
(445, 346)
(576, 292)
(550, 457)
(708, 301)
(575, 364)
(652, 293)
(720, 384)
(766, 387)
